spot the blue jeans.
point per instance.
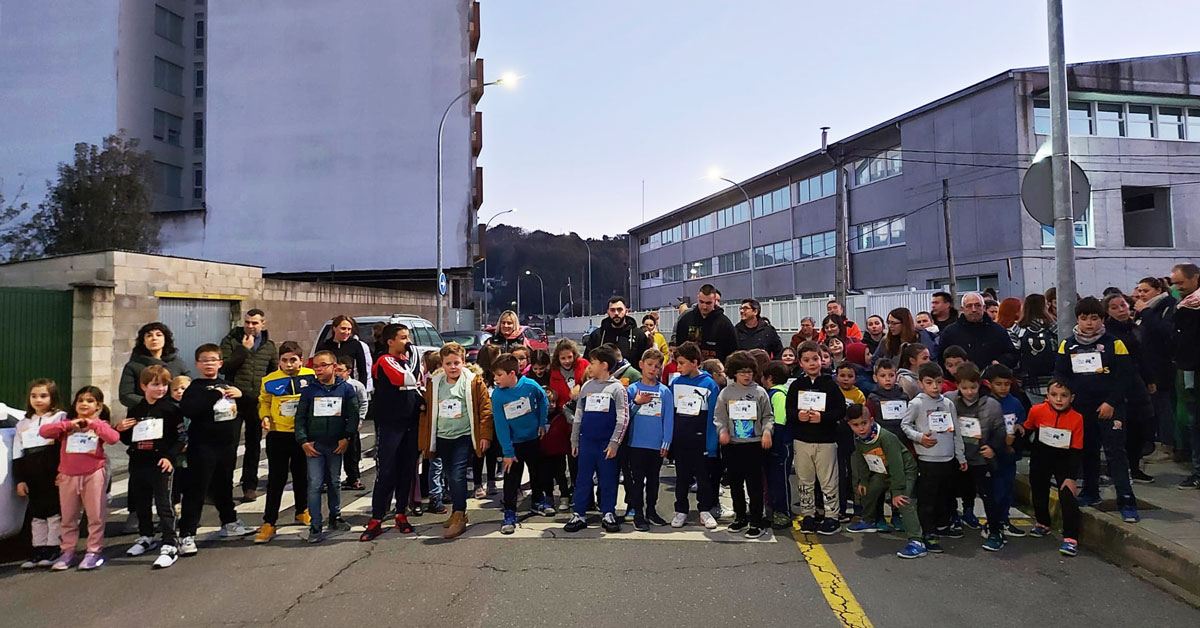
(454, 454)
(329, 463)
(437, 478)
(779, 463)
(1004, 476)
(592, 461)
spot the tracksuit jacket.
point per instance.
(522, 428)
(703, 387)
(653, 422)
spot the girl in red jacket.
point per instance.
(81, 476)
(567, 374)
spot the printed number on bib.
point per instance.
(517, 409)
(1055, 437)
(327, 406)
(82, 443)
(1010, 424)
(811, 400)
(971, 428)
(288, 408)
(598, 402)
(875, 463)
(30, 438)
(224, 410)
(1086, 362)
(450, 409)
(941, 422)
(148, 429)
(893, 410)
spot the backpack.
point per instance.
(1038, 346)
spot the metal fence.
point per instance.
(35, 341)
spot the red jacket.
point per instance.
(559, 384)
(70, 463)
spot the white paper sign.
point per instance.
(893, 410)
(875, 463)
(30, 438)
(224, 410)
(1055, 437)
(450, 409)
(327, 406)
(941, 422)
(690, 400)
(82, 443)
(742, 410)
(598, 402)
(148, 429)
(1010, 424)
(1086, 362)
(651, 408)
(288, 408)
(811, 400)
(971, 427)
(517, 409)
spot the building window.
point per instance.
(1083, 231)
(880, 166)
(1079, 118)
(168, 180)
(699, 226)
(198, 131)
(199, 76)
(1110, 120)
(168, 25)
(167, 127)
(1193, 124)
(879, 234)
(168, 76)
(199, 32)
(772, 254)
(1141, 121)
(731, 216)
(977, 283)
(772, 202)
(817, 187)
(670, 236)
(818, 245)
(703, 268)
(1041, 117)
(1146, 212)
(733, 262)
(197, 181)
(1170, 123)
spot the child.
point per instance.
(35, 467)
(152, 430)
(326, 418)
(539, 368)
(623, 370)
(826, 360)
(433, 481)
(525, 408)
(1056, 453)
(912, 356)
(952, 357)
(521, 353)
(490, 458)
(82, 478)
(671, 369)
(788, 357)
(845, 378)
(603, 416)
(343, 369)
(694, 394)
(837, 350)
(775, 379)
(180, 478)
(931, 425)
(566, 371)
(178, 385)
(278, 397)
(456, 421)
(744, 419)
(397, 401)
(882, 463)
(1097, 368)
(981, 422)
(846, 375)
(717, 370)
(815, 406)
(1000, 379)
(888, 401)
(653, 416)
(212, 438)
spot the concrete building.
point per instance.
(1135, 130)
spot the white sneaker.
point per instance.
(721, 511)
(709, 521)
(235, 529)
(679, 520)
(166, 557)
(187, 546)
(142, 545)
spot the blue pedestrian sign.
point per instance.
(442, 284)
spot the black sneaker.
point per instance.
(610, 523)
(754, 532)
(828, 526)
(1141, 477)
(1191, 481)
(640, 524)
(738, 525)
(655, 519)
(337, 524)
(808, 525)
(576, 523)
(949, 532)
(417, 510)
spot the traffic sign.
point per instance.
(1037, 191)
(442, 284)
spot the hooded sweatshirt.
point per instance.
(896, 402)
(213, 416)
(653, 422)
(714, 334)
(520, 412)
(629, 337)
(278, 396)
(921, 411)
(891, 452)
(744, 412)
(824, 431)
(986, 415)
(326, 413)
(695, 399)
(171, 440)
(81, 453)
(602, 413)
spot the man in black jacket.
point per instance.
(755, 332)
(984, 340)
(941, 310)
(1186, 278)
(249, 355)
(707, 326)
(621, 330)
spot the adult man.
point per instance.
(755, 332)
(707, 326)
(984, 340)
(852, 329)
(249, 355)
(944, 314)
(621, 330)
(1186, 279)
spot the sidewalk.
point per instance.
(1164, 548)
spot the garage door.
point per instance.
(194, 322)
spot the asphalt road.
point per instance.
(542, 576)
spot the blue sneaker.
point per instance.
(882, 526)
(1070, 547)
(1084, 501)
(862, 525)
(994, 543)
(970, 520)
(629, 515)
(547, 508)
(1039, 531)
(510, 522)
(932, 545)
(1130, 514)
(914, 549)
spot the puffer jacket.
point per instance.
(246, 367)
(129, 393)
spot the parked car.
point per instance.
(12, 508)
(535, 337)
(583, 341)
(470, 340)
(424, 335)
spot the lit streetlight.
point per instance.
(715, 174)
(543, 287)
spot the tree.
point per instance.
(101, 201)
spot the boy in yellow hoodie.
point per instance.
(277, 399)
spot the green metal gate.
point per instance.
(35, 341)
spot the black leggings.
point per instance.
(1046, 463)
(492, 456)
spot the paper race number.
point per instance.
(517, 409)
(941, 422)
(148, 429)
(971, 428)
(875, 463)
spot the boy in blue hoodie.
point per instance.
(1000, 380)
(602, 417)
(694, 394)
(326, 418)
(653, 417)
(524, 407)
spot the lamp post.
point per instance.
(587, 303)
(750, 217)
(487, 226)
(441, 297)
(543, 287)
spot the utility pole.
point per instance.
(949, 242)
(1060, 168)
(841, 262)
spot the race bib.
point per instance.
(1010, 424)
(941, 422)
(450, 409)
(30, 438)
(148, 429)
(517, 409)
(327, 406)
(690, 400)
(1055, 437)
(82, 443)
(742, 410)
(1086, 362)
(651, 408)
(570, 382)
(971, 428)
(598, 402)
(875, 463)
(224, 410)
(288, 408)
(893, 410)
(811, 400)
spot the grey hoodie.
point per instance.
(949, 445)
(764, 415)
(991, 423)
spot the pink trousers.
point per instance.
(78, 494)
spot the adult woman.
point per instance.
(154, 346)
(1010, 312)
(508, 333)
(808, 331)
(344, 342)
(833, 326)
(1139, 412)
(1036, 340)
(876, 331)
(901, 330)
(1155, 316)
(650, 326)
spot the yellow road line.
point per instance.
(837, 593)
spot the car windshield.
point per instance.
(466, 340)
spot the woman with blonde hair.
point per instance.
(508, 333)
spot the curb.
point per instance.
(1173, 567)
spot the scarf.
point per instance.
(870, 437)
(1152, 303)
(1088, 340)
(1191, 301)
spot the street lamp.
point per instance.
(487, 226)
(716, 174)
(588, 301)
(543, 285)
(441, 297)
